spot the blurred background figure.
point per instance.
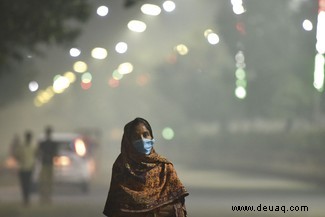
(25, 155)
(14, 145)
(46, 151)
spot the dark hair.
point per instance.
(48, 130)
(130, 127)
(28, 135)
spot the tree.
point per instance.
(279, 65)
(278, 54)
(26, 24)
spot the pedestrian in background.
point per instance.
(14, 145)
(25, 156)
(143, 183)
(47, 150)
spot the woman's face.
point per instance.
(141, 132)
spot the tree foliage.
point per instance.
(26, 24)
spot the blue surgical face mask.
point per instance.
(144, 146)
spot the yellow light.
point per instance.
(207, 32)
(80, 147)
(80, 66)
(181, 49)
(70, 76)
(37, 103)
(125, 68)
(62, 161)
(60, 84)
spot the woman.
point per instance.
(143, 184)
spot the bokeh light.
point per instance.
(181, 49)
(150, 9)
(121, 47)
(240, 92)
(99, 53)
(113, 83)
(125, 68)
(116, 75)
(142, 80)
(80, 66)
(137, 26)
(80, 147)
(207, 32)
(33, 86)
(74, 52)
(307, 25)
(213, 38)
(85, 86)
(86, 77)
(60, 84)
(240, 74)
(168, 133)
(71, 76)
(237, 6)
(169, 6)
(319, 72)
(43, 96)
(102, 10)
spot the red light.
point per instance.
(85, 86)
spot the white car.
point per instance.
(73, 165)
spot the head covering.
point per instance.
(140, 182)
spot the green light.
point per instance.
(168, 133)
(241, 83)
(86, 77)
(240, 74)
(116, 75)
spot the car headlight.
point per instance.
(62, 161)
(80, 147)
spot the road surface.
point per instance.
(213, 193)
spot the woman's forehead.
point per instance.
(141, 128)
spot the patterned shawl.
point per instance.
(140, 182)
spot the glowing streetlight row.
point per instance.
(61, 83)
(241, 82)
